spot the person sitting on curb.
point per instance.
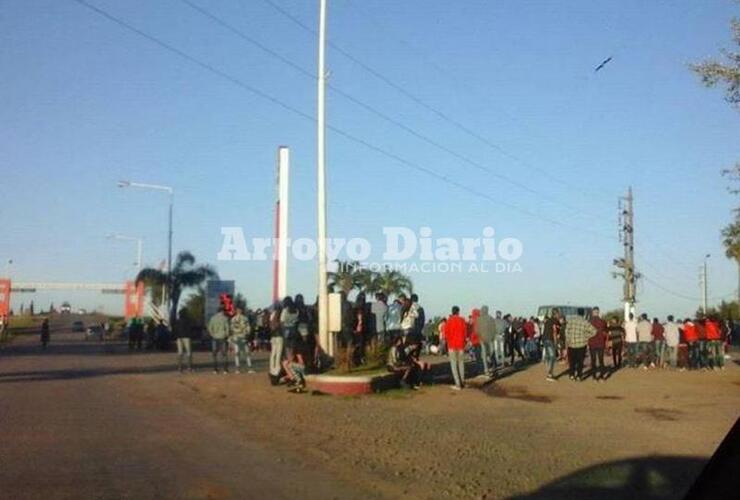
(421, 369)
(295, 366)
(398, 362)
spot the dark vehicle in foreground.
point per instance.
(78, 326)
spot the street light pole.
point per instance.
(171, 192)
(321, 201)
(704, 285)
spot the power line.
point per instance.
(440, 114)
(681, 296)
(238, 82)
(239, 33)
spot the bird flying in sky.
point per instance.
(603, 63)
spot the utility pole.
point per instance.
(627, 263)
(323, 292)
(703, 285)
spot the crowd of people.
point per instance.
(502, 340)
(397, 335)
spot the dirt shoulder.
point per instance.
(510, 439)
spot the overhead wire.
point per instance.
(260, 93)
(421, 102)
(371, 109)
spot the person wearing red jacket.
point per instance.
(455, 333)
(714, 343)
(701, 333)
(692, 340)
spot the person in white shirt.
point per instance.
(630, 338)
(645, 341)
(672, 339)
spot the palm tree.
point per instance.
(346, 278)
(367, 281)
(184, 274)
(391, 283)
(731, 242)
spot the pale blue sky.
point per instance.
(86, 102)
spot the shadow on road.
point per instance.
(43, 375)
(652, 478)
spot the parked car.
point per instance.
(78, 326)
(65, 308)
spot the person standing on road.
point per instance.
(486, 334)
(701, 332)
(692, 339)
(714, 343)
(499, 342)
(289, 326)
(630, 338)
(658, 333)
(596, 346)
(616, 340)
(276, 343)
(577, 333)
(379, 310)
(183, 338)
(645, 341)
(672, 339)
(239, 328)
(455, 332)
(550, 335)
(442, 338)
(409, 315)
(218, 329)
(421, 317)
(45, 333)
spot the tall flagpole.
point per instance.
(321, 166)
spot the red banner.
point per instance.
(4, 297)
(134, 296)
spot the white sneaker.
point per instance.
(456, 388)
(251, 371)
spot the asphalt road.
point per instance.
(73, 424)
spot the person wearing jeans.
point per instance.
(658, 333)
(597, 344)
(218, 329)
(616, 340)
(714, 343)
(550, 334)
(184, 331)
(672, 339)
(499, 341)
(645, 341)
(692, 339)
(630, 338)
(487, 334)
(240, 328)
(455, 332)
(577, 333)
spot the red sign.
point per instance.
(4, 297)
(134, 296)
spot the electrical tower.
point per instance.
(626, 264)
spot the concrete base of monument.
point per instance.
(355, 385)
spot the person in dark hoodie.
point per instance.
(486, 335)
